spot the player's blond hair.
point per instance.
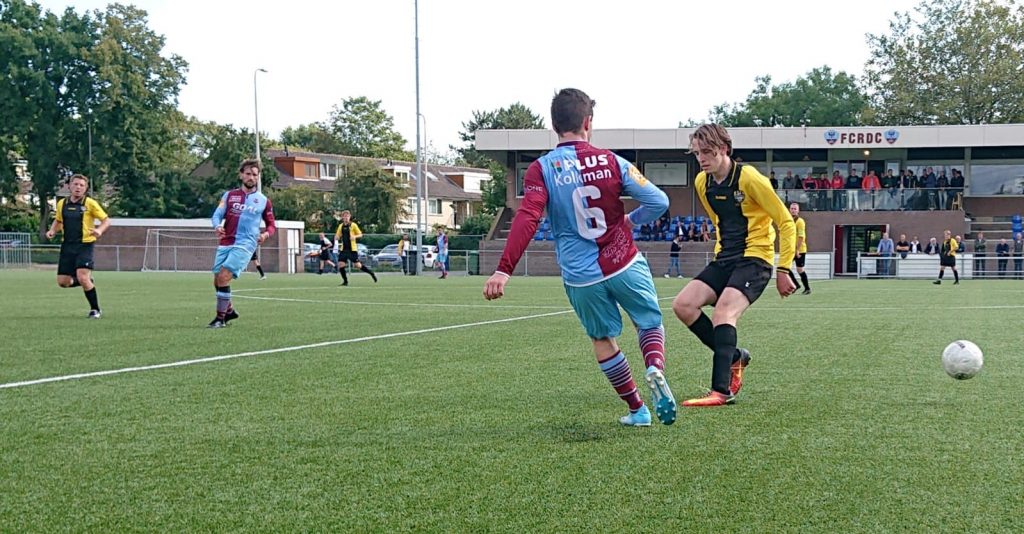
(712, 135)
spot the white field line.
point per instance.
(269, 351)
(413, 304)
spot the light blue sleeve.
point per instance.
(653, 201)
(218, 214)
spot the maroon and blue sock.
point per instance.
(223, 301)
(652, 345)
(616, 369)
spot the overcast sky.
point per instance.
(648, 63)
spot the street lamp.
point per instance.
(256, 107)
(419, 155)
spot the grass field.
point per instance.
(846, 422)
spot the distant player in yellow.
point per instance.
(947, 257)
(743, 206)
(345, 246)
(801, 248)
(77, 216)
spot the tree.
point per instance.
(45, 86)
(958, 62)
(516, 116)
(820, 98)
(301, 203)
(365, 129)
(314, 137)
(375, 198)
(226, 148)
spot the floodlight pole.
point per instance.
(419, 155)
(256, 107)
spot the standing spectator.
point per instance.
(853, 187)
(942, 182)
(1018, 256)
(604, 270)
(956, 185)
(929, 182)
(836, 193)
(673, 258)
(237, 222)
(789, 182)
(903, 246)
(442, 252)
(810, 186)
(774, 181)
(915, 246)
(979, 254)
(76, 216)
(871, 186)
(932, 248)
(1002, 255)
(403, 252)
(947, 257)
(885, 250)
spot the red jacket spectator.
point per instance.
(837, 181)
(870, 182)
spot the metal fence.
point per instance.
(926, 266)
(15, 250)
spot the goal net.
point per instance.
(180, 249)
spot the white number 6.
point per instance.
(590, 222)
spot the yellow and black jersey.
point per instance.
(346, 236)
(78, 218)
(949, 248)
(801, 234)
(743, 206)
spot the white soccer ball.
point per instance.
(962, 359)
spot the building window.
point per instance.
(997, 179)
(666, 173)
(434, 206)
(329, 170)
(310, 170)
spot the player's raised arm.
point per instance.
(653, 201)
(524, 225)
(218, 214)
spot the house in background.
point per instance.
(452, 193)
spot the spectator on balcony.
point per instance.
(789, 182)
(774, 181)
(930, 182)
(837, 195)
(1002, 256)
(810, 186)
(853, 186)
(824, 184)
(871, 185)
(942, 182)
(903, 246)
(956, 184)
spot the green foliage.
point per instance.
(302, 203)
(226, 148)
(516, 116)
(494, 191)
(956, 62)
(820, 98)
(314, 137)
(375, 198)
(365, 129)
(476, 225)
(18, 219)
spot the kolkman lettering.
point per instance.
(583, 176)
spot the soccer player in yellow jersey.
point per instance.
(345, 245)
(947, 257)
(77, 216)
(801, 248)
(743, 207)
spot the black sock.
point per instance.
(725, 349)
(941, 273)
(793, 278)
(803, 278)
(704, 330)
(74, 282)
(344, 275)
(260, 269)
(94, 303)
(956, 276)
(367, 270)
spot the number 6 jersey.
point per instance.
(581, 185)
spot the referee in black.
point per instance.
(77, 216)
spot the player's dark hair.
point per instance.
(249, 162)
(568, 109)
(713, 135)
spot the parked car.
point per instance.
(312, 263)
(389, 256)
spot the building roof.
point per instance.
(438, 185)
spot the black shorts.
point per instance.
(800, 259)
(947, 261)
(748, 275)
(74, 256)
(325, 255)
(348, 256)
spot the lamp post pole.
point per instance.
(256, 108)
(419, 154)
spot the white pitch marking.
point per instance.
(269, 351)
(416, 304)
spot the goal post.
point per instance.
(180, 249)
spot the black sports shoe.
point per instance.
(230, 315)
(806, 291)
(937, 282)
(343, 284)
(216, 323)
(94, 314)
